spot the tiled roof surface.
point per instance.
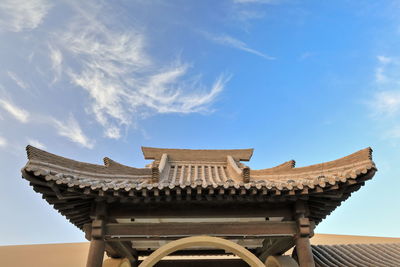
(182, 173)
(357, 255)
(194, 175)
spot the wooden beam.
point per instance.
(126, 250)
(97, 243)
(208, 209)
(170, 230)
(304, 231)
(275, 246)
(111, 251)
(304, 253)
(96, 253)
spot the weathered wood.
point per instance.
(96, 253)
(304, 253)
(33, 179)
(304, 231)
(275, 246)
(97, 243)
(207, 189)
(111, 250)
(126, 249)
(168, 230)
(193, 210)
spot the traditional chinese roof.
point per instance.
(195, 175)
(358, 255)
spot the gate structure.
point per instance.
(130, 212)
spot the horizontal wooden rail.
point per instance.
(187, 210)
(178, 230)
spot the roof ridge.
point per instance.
(177, 154)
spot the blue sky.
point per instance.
(306, 80)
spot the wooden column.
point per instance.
(97, 243)
(96, 253)
(303, 246)
(304, 252)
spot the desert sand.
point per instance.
(74, 254)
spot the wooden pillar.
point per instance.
(303, 246)
(97, 243)
(304, 253)
(96, 253)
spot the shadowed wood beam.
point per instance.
(125, 249)
(193, 210)
(275, 246)
(304, 232)
(166, 230)
(96, 253)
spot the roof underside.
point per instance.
(194, 175)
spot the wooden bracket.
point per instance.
(304, 227)
(98, 229)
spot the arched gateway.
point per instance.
(202, 241)
(130, 212)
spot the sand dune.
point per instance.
(74, 254)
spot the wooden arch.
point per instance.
(203, 241)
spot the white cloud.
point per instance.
(17, 80)
(56, 58)
(72, 131)
(3, 142)
(384, 59)
(123, 82)
(380, 75)
(381, 71)
(387, 102)
(235, 43)
(18, 15)
(36, 143)
(113, 133)
(18, 113)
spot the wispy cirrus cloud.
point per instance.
(72, 130)
(3, 142)
(383, 69)
(18, 15)
(18, 113)
(122, 80)
(230, 41)
(17, 79)
(385, 103)
(386, 100)
(245, 10)
(56, 59)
